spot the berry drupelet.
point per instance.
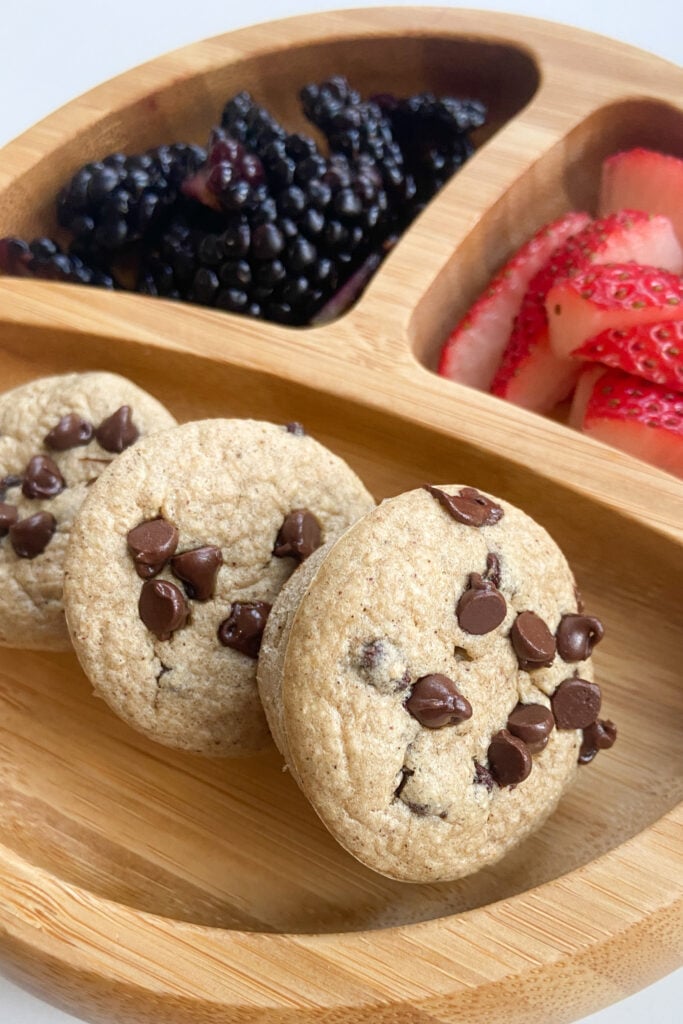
(43, 258)
(118, 200)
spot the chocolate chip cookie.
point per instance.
(175, 560)
(428, 680)
(57, 434)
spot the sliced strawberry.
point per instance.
(642, 179)
(634, 415)
(531, 374)
(472, 352)
(617, 295)
(651, 351)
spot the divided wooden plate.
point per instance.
(140, 885)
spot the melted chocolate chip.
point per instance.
(162, 607)
(481, 608)
(42, 478)
(198, 570)
(492, 573)
(601, 735)
(71, 432)
(576, 704)
(509, 759)
(468, 506)
(118, 431)
(151, 544)
(29, 537)
(533, 642)
(577, 635)
(406, 773)
(299, 535)
(243, 629)
(482, 776)
(533, 724)
(435, 701)
(8, 517)
(421, 810)
(295, 428)
(371, 655)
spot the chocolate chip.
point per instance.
(29, 537)
(118, 431)
(198, 570)
(435, 701)
(243, 629)
(71, 431)
(42, 478)
(299, 535)
(509, 759)
(533, 642)
(482, 776)
(295, 428)
(8, 517)
(481, 608)
(576, 704)
(162, 607)
(577, 635)
(601, 735)
(492, 568)
(468, 506)
(533, 724)
(151, 544)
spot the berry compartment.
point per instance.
(304, 258)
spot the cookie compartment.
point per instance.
(232, 844)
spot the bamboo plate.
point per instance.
(141, 885)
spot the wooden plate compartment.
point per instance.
(140, 885)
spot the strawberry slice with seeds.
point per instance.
(617, 295)
(530, 373)
(642, 179)
(651, 351)
(634, 415)
(472, 351)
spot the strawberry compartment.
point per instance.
(565, 177)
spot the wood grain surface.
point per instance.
(143, 886)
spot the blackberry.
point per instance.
(433, 135)
(361, 131)
(112, 202)
(231, 179)
(43, 258)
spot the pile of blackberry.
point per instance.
(263, 222)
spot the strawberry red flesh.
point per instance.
(617, 295)
(472, 352)
(632, 414)
(530, 373)
(651, 351)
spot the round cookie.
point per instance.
(57, 434)
(427, 678)
(176, 557)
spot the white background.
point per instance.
(52, 50)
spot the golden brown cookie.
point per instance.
(428, 680)
(174, 562)
(57, 434)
